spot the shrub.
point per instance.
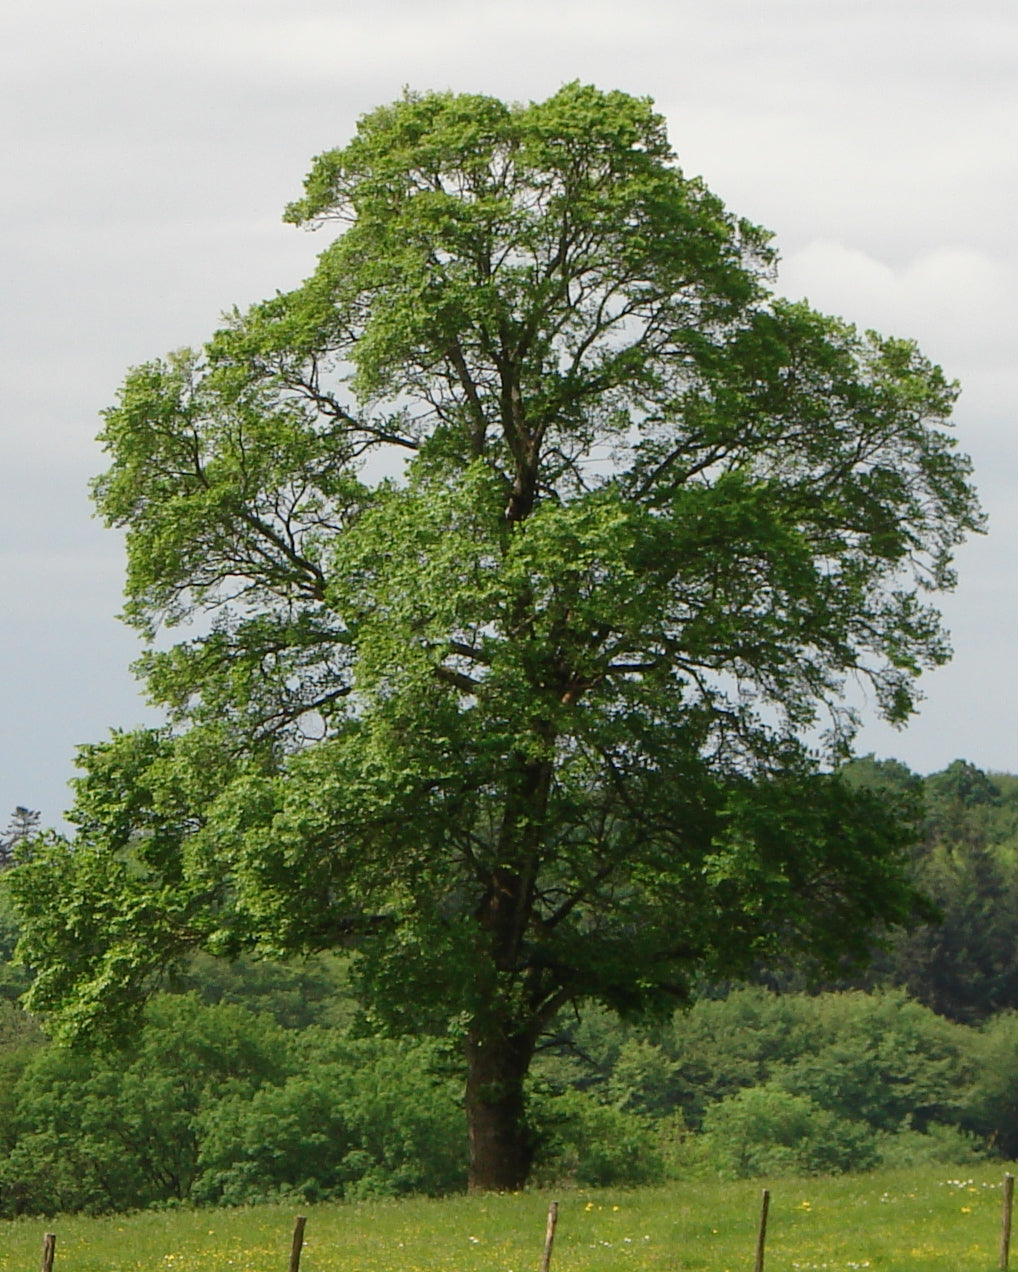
(992, 1104)
(767, 1130)
(585, 1142)
(363, 1118)
(883, 1059)
(120, 1129)
(946, 1145)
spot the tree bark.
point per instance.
(500, 1144)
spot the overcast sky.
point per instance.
(148, 149)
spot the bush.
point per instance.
(946, 1145)
(767, 1130)
(582, 1141)
(362, 1118)
(119, 1130)
(878, 1058)
(883, 1059)
(992, 1104)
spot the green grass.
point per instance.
(932, 1219)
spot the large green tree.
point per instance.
(528, 544)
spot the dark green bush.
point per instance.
(583, 1141)
(767, 1130)
(360, 1117)
(118, 1130)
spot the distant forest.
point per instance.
(253, 1081)
(965, 965)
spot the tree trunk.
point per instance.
(500, 1146)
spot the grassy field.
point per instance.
(929, 1218)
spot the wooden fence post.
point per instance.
(549, 1236)
(298, 1243)
(761, 1236)
(49, 1249)
(1005, 1227)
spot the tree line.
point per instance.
(223, 1104)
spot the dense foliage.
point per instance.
(263, 1080)
(965, 965)
(260, 1081)
(215, 1103)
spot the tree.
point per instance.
(24, 823)
(530, 541)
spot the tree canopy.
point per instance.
(527, 548)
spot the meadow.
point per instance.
(931, 1219)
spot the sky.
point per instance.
(147, 150)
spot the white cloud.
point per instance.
(951, 298)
